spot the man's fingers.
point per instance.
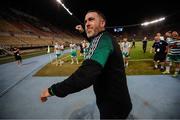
(44, 95)
(78, 27)
(43, 99)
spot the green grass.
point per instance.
(66, 69)
(53, 70)
(137, 52)
(135, 68)
(139, 64)
(141, 68)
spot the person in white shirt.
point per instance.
(57, 51)
(73, 53)
(125, 48)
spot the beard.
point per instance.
(91, 32)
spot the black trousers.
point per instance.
(108, 111)
(144, 47)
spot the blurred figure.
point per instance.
(81, 49)
(173, 54)
(168, 62)
(73, 53)
(85, 47)
(133, 43)
(160, 36)
(144, 42)
(58, 52)
(62, 47)
(160, 48)
(17, 56)
(125, 48)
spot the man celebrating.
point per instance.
(103, 68)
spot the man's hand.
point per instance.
(79, 28)
(44, 95)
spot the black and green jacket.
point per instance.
(104, 69)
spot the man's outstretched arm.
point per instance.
(84, 77)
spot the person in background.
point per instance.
(125, 48)
(160, 48)
(81, 49)
(144, 42)
(58, 53)
(17, 56)
(160, 36)
(133, 43)
(85, 47)
(73, 47)
(173, 55)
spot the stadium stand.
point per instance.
(7, 27)
(18, 29)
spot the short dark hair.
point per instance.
(99, 13)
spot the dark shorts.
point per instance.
(160, 57)
(173, 58)
(58, 55)
(18, 57)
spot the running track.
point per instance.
(156, 96)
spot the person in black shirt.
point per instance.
(144, 41)
(133, 43)
(17, 56)
(160, 48)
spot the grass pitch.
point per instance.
(66, 69)
(139, 64)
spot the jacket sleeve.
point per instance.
(82, 78)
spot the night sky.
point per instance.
(117, 12)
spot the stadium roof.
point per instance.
(118, 13)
